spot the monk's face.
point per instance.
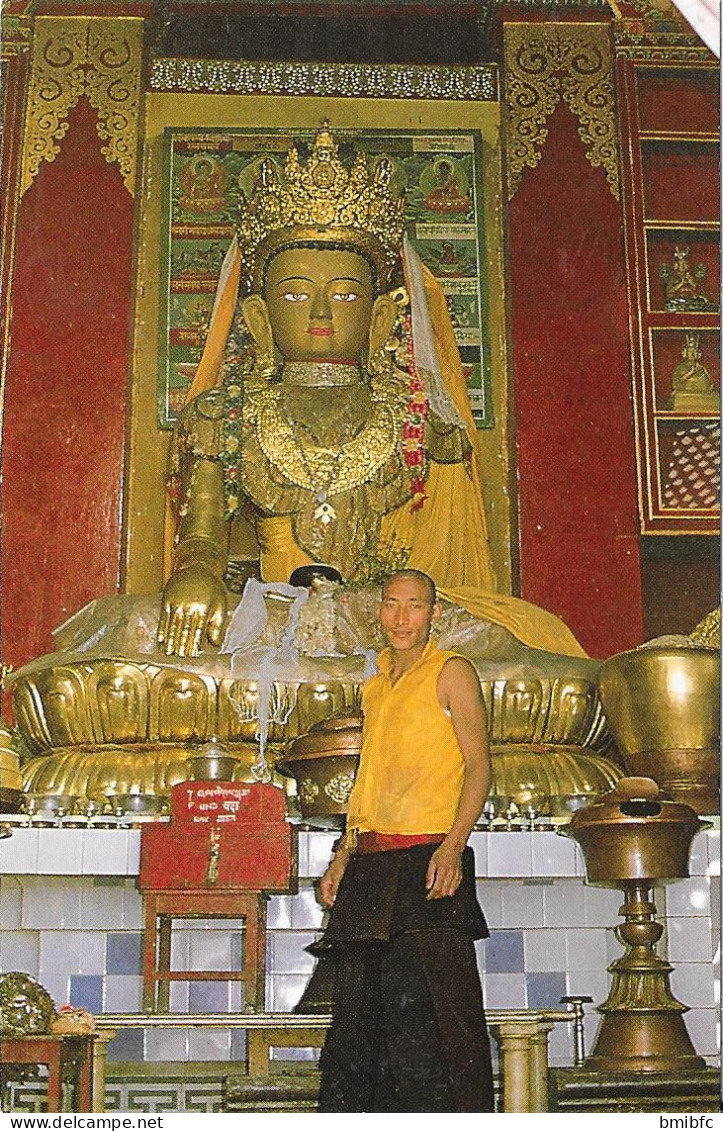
(320, 304)
(406, 614)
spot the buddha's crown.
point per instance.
(320, 201)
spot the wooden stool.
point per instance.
(59, 1053)
(162, 907)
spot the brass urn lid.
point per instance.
(341, 734)
(633, 801)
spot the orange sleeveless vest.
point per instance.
(411, 768)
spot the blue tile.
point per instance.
(123, 953)
(128, 1045)
(208, 997)
(545, 990)
(504, 953)
(86, 991)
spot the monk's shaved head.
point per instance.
(416, 575)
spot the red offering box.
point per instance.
(238, 827)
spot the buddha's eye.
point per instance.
(295, 296)
(345, 296)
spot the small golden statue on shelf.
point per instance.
(693, 388)
(683, 284)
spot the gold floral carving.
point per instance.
(96, 57)
(547, 62)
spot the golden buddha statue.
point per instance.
(328, 422)
(337, 429)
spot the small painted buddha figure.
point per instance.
(335, 427)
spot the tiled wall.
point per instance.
(71, 916)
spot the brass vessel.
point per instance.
(631, 838)
(324, 762)
(663, 708)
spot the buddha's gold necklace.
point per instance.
(326, 472)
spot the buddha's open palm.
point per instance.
(193, 609)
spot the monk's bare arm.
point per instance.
(459, 692)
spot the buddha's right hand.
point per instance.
(193, 606)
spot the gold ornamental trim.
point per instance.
(548, 62)
(15, 35)
(325, 80)
(96, 57)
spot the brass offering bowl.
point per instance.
(663, 707)
(633, 834)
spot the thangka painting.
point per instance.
(205, 170)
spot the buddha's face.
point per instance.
(319, 304)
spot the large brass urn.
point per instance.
(663, 708)
(633, 838)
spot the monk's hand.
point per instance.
(444, 874)
(193, 609)
(329, 882)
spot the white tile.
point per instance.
(522, 904)
(509, 854)
(60, 852)
(133, 865)
(698, 858)
(560, 1044)
(601, 906)
(123, 993)
(178, 997)
(713, 841)
(544, 950)
(693, 984)
(613, 948)
(278, 912)
(105, 852)
(302, 852)
(78, 952)
(489, 894)
(11, 903)
(593, 983)
(504, 991)
(180, 949)
(689, 940)
(304, 1054)
(306, 911)
(209, 950)
(702, 1026)
(585, 949)
(132, 909)
(287, 953)
(209, 1044)
(478, 844)
(563, 904)
(102, 906)
(57, 983)
(20, 950)
(19, 852)
(319, 852)
(554, 855)
(689, 897)
(53, 904)
(166, 1044)
(285, 991)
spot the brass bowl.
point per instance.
(633, 833)
(663, 708)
